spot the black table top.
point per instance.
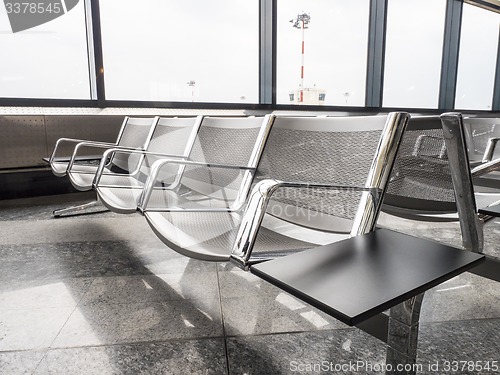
(355, 279)
(492, 210)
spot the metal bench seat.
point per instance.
(482, 135)
(172, 138)
(128, 167)
(308, 152)
(357, 279)
(134, 133)
(172, 182)
(210, 236)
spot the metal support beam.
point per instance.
(376, 52)
(98, 59)
(495, 106)
(449, 65)
(267, 81)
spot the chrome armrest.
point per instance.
(122, 150)
(74, 140)
(256, 209)
(490, 149)
(94, 145)
(485, 168)
(159, 164)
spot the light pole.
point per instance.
(301, 22)
(346, 96)
(191, 84)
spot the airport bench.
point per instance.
(355, 280)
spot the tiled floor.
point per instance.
(100, 294)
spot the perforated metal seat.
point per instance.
(427, 176)
(318, 151)
(482, 135)
(211, 188)
(129, 136)
(325, 174)
(135, 134)
(172, 138)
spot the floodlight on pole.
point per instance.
(192, 84)
(301, 22)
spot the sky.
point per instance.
(153, 48)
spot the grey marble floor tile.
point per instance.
(237, 283)
(20, 363)
(85, 228)
(68, 260)
(45, 212)
(36, 293)
(464, 297)
(282, 313)
(445, 232)
(291, 353)
(40, 208)
(172, 358)
(476, 341)
(159, 259)
(165, 287)
(31, 329)
(491, 236)
(109, 323)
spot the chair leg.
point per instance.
(402, 337)
(82, 209)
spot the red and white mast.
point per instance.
(302, 22)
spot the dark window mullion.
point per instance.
(98, 56)
(496, 90)
(376, 52)
(451, 46)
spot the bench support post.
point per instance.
(403, 336)
(82, 209)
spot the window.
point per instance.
(335, 51)
(477, 59)
(183, 50)
(413, 54)
(49, 61)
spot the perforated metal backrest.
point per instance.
(228, 141)
(173, 136)
(477, 133)
(421, 177)
(135, 133)
(324, 150)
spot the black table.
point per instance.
(491, 211)
(355, 279)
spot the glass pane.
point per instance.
(335, 52)
(477, 59)
(189, 50)
(413, 54)
(45, 61)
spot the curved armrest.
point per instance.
(256, 209)
(94, 145)
(486, 168)
(74, 140)
(159, 164)
(121, 150)
(490, 149)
